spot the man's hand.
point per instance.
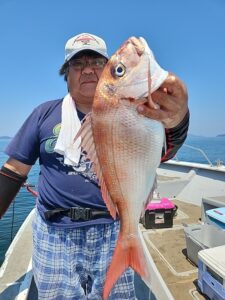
(169, 104)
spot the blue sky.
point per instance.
(187, 38)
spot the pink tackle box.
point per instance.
(163, 203)
(159, 213)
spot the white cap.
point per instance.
(85, 41)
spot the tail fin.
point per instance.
(128, 253)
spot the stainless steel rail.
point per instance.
(197, 149)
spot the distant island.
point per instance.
(202, 136)
(5, 137)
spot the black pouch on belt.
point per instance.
(10, 184)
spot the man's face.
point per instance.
(85, 70)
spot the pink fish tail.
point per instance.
(127, 254)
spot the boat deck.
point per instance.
(175, 276)
(168, 250)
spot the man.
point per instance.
(73, 234)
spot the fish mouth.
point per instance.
(138, 45)
(133, 42)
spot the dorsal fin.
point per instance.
(88, 145)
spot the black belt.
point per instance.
(77, 213)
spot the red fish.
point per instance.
(125, 148)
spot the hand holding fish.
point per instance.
(171, 101)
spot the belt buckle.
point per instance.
(79, 213)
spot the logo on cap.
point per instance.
(85, 39)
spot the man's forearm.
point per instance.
(175, 138)
(10, 184)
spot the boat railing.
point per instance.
(219, 162)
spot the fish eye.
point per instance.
(120, 70)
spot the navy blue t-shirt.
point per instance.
(59, 185)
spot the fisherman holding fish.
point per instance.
(96, 176)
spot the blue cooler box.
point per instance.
(211, 272)
(217, 216)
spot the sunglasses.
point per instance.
(94, 63)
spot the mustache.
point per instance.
(91, 77)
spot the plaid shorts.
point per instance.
(71, 264)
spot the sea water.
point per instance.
(19, 209)
(213, 147)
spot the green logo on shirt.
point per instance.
(50, 143)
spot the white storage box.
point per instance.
(199, 237)
(211, 276)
